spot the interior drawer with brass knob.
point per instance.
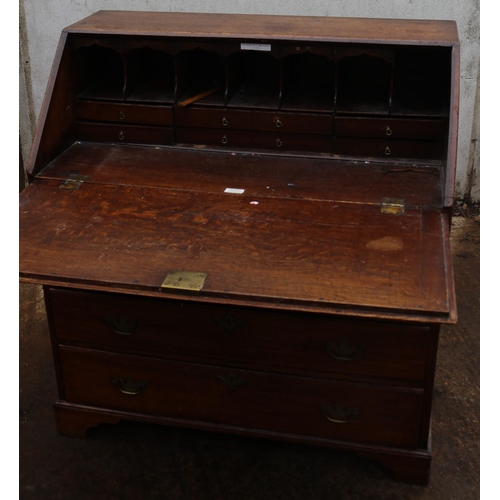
(127, 134)
(123, 113)
(253, 120)
(326, 409)
(281, 342)
(393, 128)
(387, 148)
(274, 141)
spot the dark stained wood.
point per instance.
(180, 24)
(260, 175)
(131, 237)
(318, 321)
(309, 345)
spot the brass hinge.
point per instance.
(393, 206)
(74, 181)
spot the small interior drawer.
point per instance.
(127, 134)
(389, 128)
(123, 113)
(254, 120)
(246, 337)
(274, 141)
(305, 406)
(387, 148)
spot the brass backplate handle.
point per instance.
(122, 325)
(122, 115)
(278, 123)
(338, 414)
(121, 136)
(344, 351)
(279, 143)
(232, 382)
(225, 123)
(228, 322)
(129, 386)
(387, 151)
(224, 139)
(388, 130)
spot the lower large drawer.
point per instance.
(274, 141)
(260, 339)
(257, 400)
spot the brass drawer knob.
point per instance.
(278, 123)
(129, 385)
(388, 130)
(279, 143)
(122, 115)
(224, 139)
(232, 382)
(121, 136)
(228, 322)
(338, 414)
(122, 325)
(343, 351)
(224, 122)
(387, 151)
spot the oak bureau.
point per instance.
(241, 224)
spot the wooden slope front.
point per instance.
(311, 253)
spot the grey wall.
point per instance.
(41, 23)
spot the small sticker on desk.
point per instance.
(265, 47)
(234, 191)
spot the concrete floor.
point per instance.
(142, 462)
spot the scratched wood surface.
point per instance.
(182, 24)
(252, 248)
(260, 175)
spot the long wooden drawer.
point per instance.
(304, 406)
(383, 148)
(254, 120)
(390, 128)
(259, 339)
(275, 141)
(123, 113)
(100, 132)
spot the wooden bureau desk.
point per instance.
(242, 225)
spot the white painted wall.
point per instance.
(42, 22)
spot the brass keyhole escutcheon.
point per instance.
(121, 136)
(122, 115)
(278, 123)
(387, 151)
(224, 139)
(388, 130)
(225, 123)
(279, 143)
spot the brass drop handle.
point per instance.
(224, 139)
(225, 123)
(228, 322)
(387, 151)
(279, 143)
(122, 115)
(231, 381)
(338, 414)
(343, 351)
(129, 385)
(388, 130)
(121, 136)
(278, 123)
(122, 325)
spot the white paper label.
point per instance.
(234, 191)
(265, 47)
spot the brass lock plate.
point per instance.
(184, 280)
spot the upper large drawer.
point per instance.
(254, 120)
(243, 337)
